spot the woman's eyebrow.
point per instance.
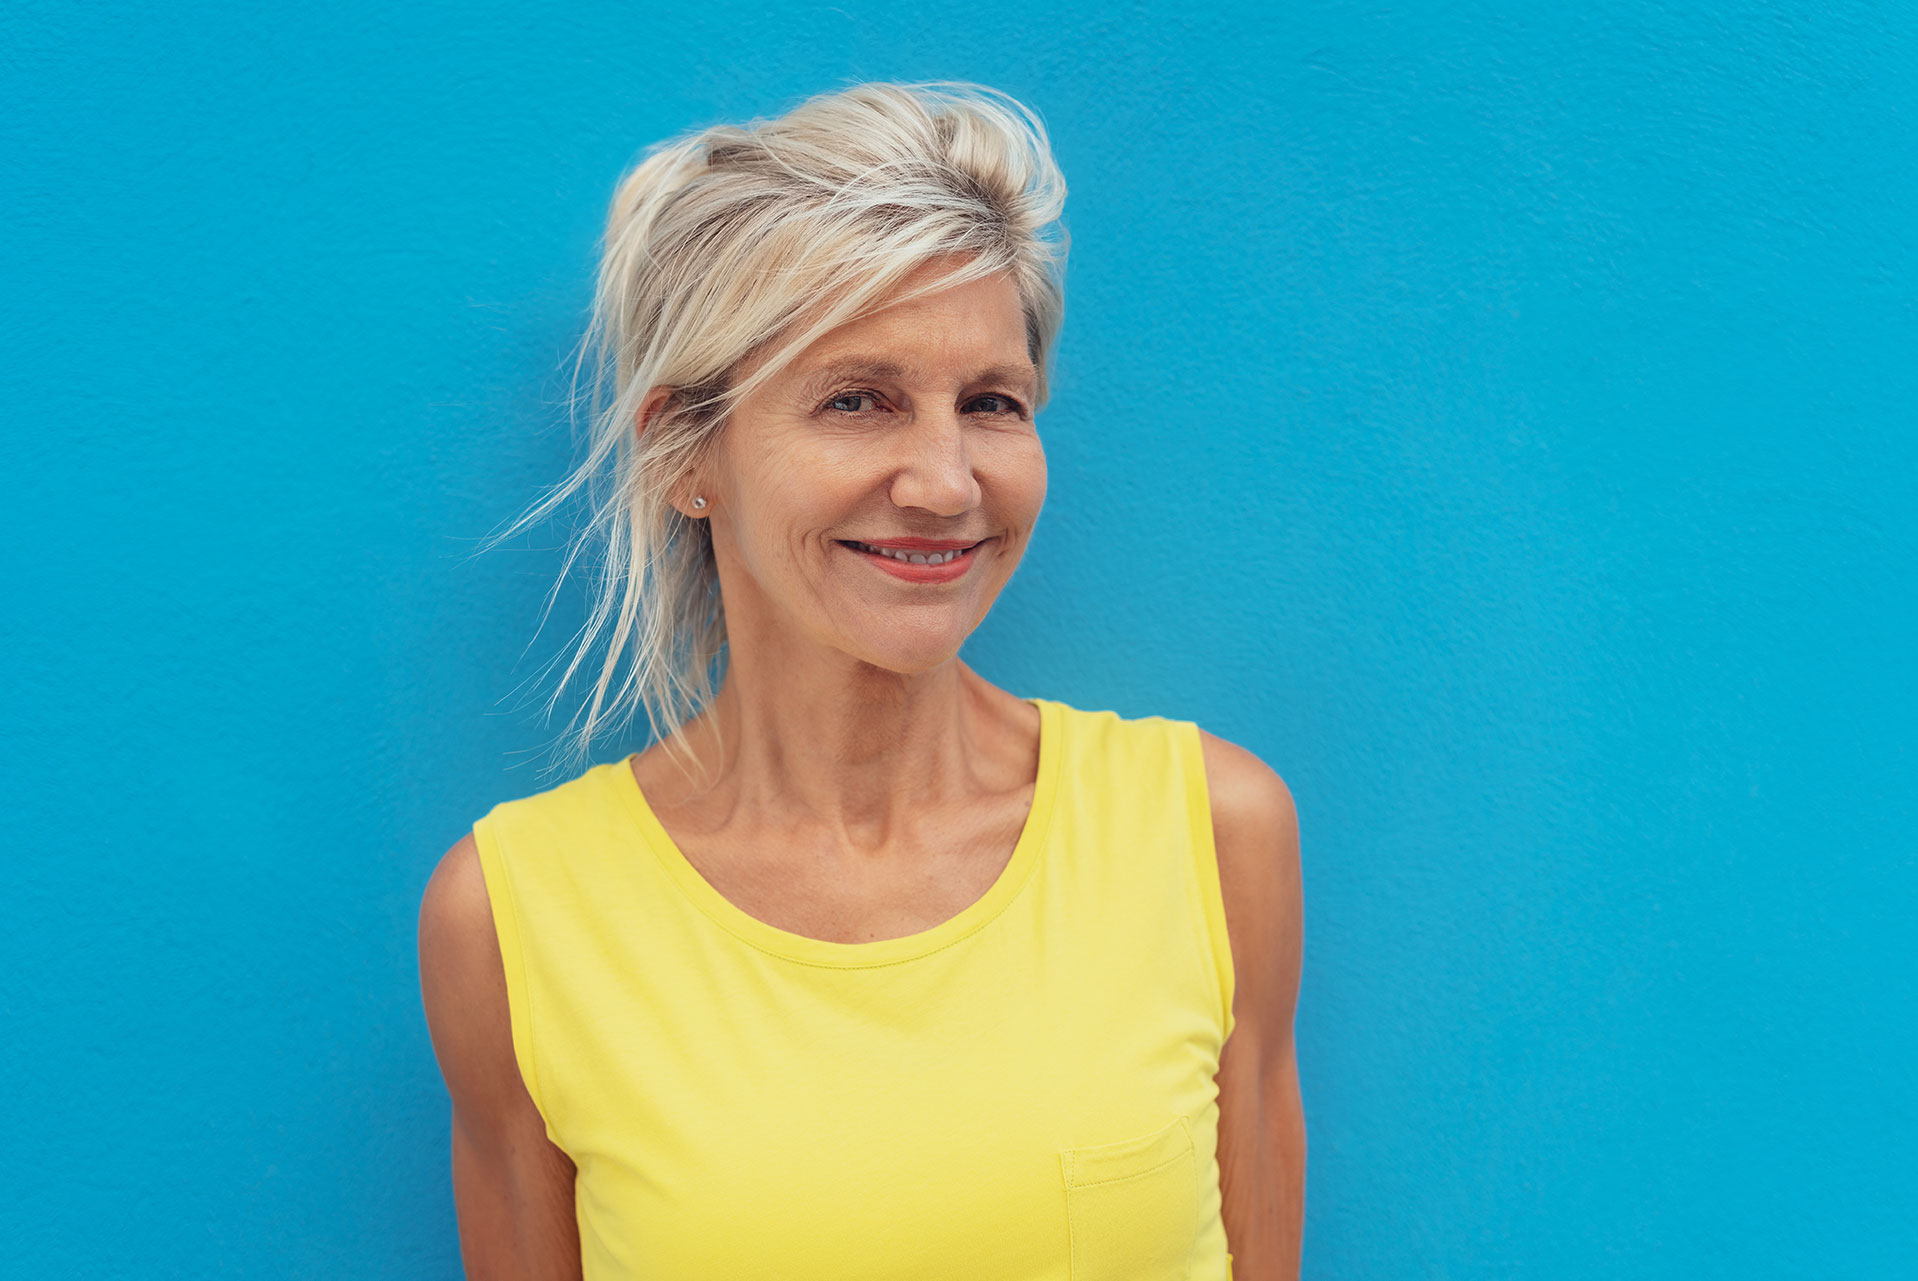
(1025, 375)
(847, 371)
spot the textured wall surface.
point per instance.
(1500, 418)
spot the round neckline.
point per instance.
(767, 937)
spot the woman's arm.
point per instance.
(512, 1189)
(1261, 1118)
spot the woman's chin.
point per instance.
(909, 655)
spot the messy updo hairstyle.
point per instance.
(727, 252)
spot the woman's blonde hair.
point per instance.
(733, 248)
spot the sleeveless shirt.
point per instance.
(1023, 1092)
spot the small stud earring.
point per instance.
(698, 501)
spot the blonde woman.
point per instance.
(867, 967)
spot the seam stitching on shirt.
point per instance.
(534, 1086)
(1196, 793)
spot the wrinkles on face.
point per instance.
(915, 422)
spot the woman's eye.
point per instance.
(849, 402)
(996, 404)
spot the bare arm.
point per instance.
(512, 1188)
(1261, 1117)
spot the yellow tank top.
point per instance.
(1024, 1092)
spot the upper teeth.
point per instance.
(914, 558)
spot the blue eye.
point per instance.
(999, 404)
(838, 402)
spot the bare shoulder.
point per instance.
(1255, 830)
(1254, 821)
(1247, 794)
(456, 892)
(463, 983)
(456, 917)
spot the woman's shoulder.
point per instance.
(474, 885)
(1248, 797)
(1242, 778)
(1245, 790)
(1255, 836)
(1255, 821)
(1255, 825)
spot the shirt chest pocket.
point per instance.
(1132, 1207)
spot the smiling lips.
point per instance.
(919, 560)
(917, 551)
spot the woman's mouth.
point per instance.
(917, 564)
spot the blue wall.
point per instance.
(1500, 418)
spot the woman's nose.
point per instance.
(935, 468)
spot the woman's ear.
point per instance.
(650, 408)
(687, 488)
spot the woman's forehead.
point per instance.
(975, 321)
(917, 330)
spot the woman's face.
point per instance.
(908, 428)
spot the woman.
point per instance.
(867, 968)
